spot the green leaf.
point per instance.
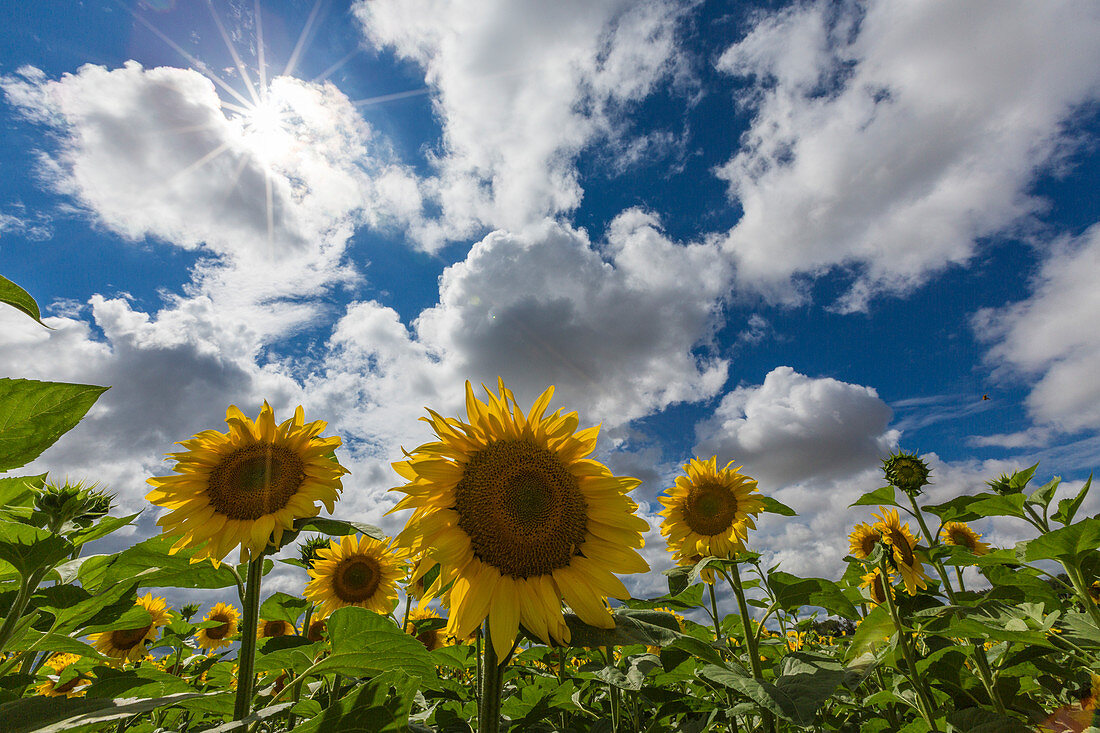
(792, 592)
(150, 563)
(29, 549)
(969, 508)
(873, 631)
(1067, 508)
(879, 497)
(283, 607)
(33, 415)
(773, 506)
(293, 653)
(1042, 495)
(632, 626)
(363, 643)
(55, 714)
(381, 705)
(980, 720)
(337, 527)
(1067, 543)
(677, 579)
(248, 720)
(808, 680)
(146, 681)
(764, 694)
(102, 527)
(16, 296)
(17, 495)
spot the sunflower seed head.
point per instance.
(907, 472)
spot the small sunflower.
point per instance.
(355, 572)
(73, 687)
(269, 629)
(903, 544)
(242, 487)
(959, 533)
(709, 511)
(519, 518)
(707, 576)
(862, 540)
(129, 644)
(1094, 591)
(212, 638)
(877, 589)
(906, 471)
(316, 631)
(431, 635)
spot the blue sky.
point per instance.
(797, 236)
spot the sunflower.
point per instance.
(213, 638)
(707, 576)
(73, 687)
(129, 644)
(709, 511)
(862, 540)
(316, 631)
(959, 533)
(904, 544)
(429, 634)
(518, 518)
(355, 572)
(907, 472)
(872, 581)
(269, 629)
(240, 487)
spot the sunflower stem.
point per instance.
(923, 702)
(408, 605)
(714, 615)
(612, 691)
(488, 717)
(734, 578)
(247, 656)
(296, 694)
(27, 586)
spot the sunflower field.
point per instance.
(500, 606)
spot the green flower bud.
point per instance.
(907, 472)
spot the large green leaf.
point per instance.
(969, 508)
(147, 681)
(981, 720)
(793, 592)
(33, 415)
(29, 549)
(101, 528)
(874, 630)
(16, 296)
(151, 564)
(364, 643)
(632, 626)
(1067, 543)
(764, 694)
(17, 495)
(883, 496)
(55, 714)
(808, 680)
(774, 506)
(1067, 508)
(283, 607)
(381, 705)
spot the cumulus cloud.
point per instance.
(521, 88)
(888, 137)
(1052, 336)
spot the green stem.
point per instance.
(488, 714)
(16, 611)
(1078, 580)
(408, 605)
(296, 695)
(612, 691)
(477, 690)
(907, 651)
(334, 691)
(770, 723)
(246, 658)
(980, 656)
(714, 615)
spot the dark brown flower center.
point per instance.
(276, 628)
(522, 509)
(901, 544)
(356, 578)
(255, 480)
(129, 638)
(217, 632)
(316, 630)
(710, 508)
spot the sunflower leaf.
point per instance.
(19, 299)
(33, 415)
(29, 549)
(337, 527)
(54, 714)
(363, 642)
(1067, 508)
(792, 592)
(774, 506)
(883, 496)
(874, 629)
(1067, 543)
(381, 705)
(152, 564)
(283, 607)
(808, 680)
(17, 495)
(632, 626)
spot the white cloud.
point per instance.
(521, 88)
(1052, 336)
(889, 137)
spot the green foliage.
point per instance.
(33, 415)
(19, 298)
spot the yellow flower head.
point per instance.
(709, 511)
(269, 629)
(862, 540)
(1094, 591)
(316, 631)
(519, 517)
(213, 638)
(959, 533)
(876, 587)
(903, 545)
(129, 644)
(246, 487)
(54, 687)
(707, 576)
(355, 572)
(431, 637)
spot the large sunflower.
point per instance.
(960, 533)
(862, 540)
(129, 644)
(903, 544)
(355, 572)
(53, 686)
(240, 487)
(709, 511)
(213, 638)
(518, 518)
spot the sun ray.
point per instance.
(332, 69)
(233, 52)
(198, 163)
(197, 64)
(305, 35)
(367, 101)
(270, 213)
(260, 62)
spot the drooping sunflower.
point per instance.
(862, 540)
(212, 638)
(709, 511)
(129, 644)
(316, 631)
(242, 487)
(271, 628)
(355, 572)
(959, 533)
(421, 625)
(903, 544)
(53, 686)
(876, 587)
(518, 517)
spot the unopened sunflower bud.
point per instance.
(907, 472)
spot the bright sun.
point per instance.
(265, 127)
